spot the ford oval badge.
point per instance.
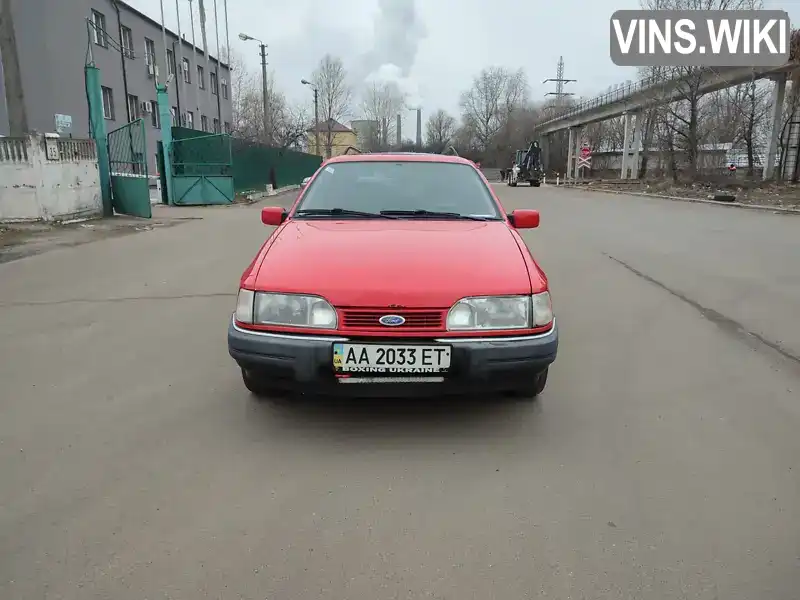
(391, 320)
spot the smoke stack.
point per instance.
(399, 135)
(419, 129)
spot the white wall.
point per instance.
(35, 188)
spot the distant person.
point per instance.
(272, 178)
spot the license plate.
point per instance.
(379, 358)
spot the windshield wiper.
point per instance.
(339, 212)
(421, 212)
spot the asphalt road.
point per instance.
(662, 461)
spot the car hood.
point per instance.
(403, 263)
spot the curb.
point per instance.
(255, 197)
(774, 209)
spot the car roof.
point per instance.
(400, 157)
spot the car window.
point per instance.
(375, 186)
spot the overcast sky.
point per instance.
(440, 44)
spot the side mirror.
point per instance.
(524, 218)
(304, 183)
(273, 215)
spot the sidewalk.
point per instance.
(27, 239)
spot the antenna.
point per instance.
(559, 81)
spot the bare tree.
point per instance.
(335, 97)
(381, 104)
(492, 99)
(439, 130)
(287, 124)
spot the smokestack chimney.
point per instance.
(419, 129)
(399, 127)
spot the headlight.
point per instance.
(293, 310)
(500, 312)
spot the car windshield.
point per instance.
(405, 189)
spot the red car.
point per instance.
(400, 274)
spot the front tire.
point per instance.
(532, 390)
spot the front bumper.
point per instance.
(482, 365)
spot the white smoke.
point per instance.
(397, 34)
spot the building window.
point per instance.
(187, 73)
(225, 89)
(227, 127)
(149, 51)
(170, 62)
(190, 119)
(99, 35)
(108, 103)
(133, 107)
(155, 118)
(216, 126)
(213, 78)
(204, 123)
(174, 112)
(201, 80)
(127, 42)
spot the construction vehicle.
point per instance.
(527, 167)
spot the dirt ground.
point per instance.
(783, 195)
(22, 240)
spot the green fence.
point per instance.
(253, 163)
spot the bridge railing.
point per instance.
(615, 95)
(625, 91)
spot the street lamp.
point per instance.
(245, 38)
(316, 112)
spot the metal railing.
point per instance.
(13, 150)
(615, 95)
(646, 84)
(70, 149)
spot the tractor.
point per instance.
(527, 167)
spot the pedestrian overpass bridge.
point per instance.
(631, 99)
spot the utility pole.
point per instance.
(316, 117)
(219, 58)
(12, 76)
(265, 92)
(559, 81)
(316, 113)
(181, 87)
(194, 56)
(202, 8)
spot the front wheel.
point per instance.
(531, 390)
(536, 183)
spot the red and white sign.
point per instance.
(586, 151)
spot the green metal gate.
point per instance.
(127, 157)
(201, 170)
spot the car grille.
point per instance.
(368, 318)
